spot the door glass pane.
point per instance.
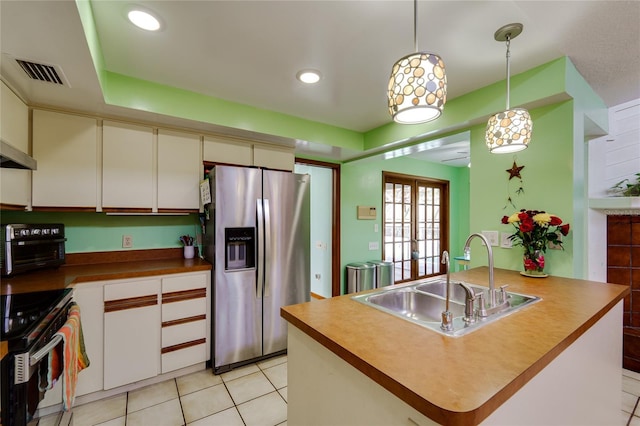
(388, 213)
(397, 193)
(413, 213)
(388, 192)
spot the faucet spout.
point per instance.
(492, 292)
(447, 317)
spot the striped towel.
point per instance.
(74, 355)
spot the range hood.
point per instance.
(13, 158)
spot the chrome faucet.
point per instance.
(447, 317)
(492, 291)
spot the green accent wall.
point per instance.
(362, 186)
(89, 232)
(547, 180)
(565, 110)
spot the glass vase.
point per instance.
(533, 262)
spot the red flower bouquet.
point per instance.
(534, 230)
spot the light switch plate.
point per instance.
(373, 245)
(492, 236)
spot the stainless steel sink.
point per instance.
(414, 305)
(423, 302)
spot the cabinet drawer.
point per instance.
(184, 357)
(131, 289)
(182, 283)
(184, 332)
(184, 309)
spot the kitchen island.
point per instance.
(557, 361)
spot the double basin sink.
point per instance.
(423, 303)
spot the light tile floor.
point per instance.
(630, 398)
(254, 395)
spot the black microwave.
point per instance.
(27, 247)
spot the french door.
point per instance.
(416, 225)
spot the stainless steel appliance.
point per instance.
(26, 247)
(29, 324)
(257, 237)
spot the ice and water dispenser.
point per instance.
(239, 247)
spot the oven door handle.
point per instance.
(36, 242)
(35, 358)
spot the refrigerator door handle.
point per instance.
(267, 247)
(260, 248)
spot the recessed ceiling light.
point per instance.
(308, 76)
(144, 20)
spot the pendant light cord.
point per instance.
(415, 25)
(508, 68)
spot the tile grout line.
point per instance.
(633, 411)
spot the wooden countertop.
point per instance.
(74, 274)
(459, 380)
(68, 275)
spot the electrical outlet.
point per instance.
(553, 246)
(373, 245)
(505, 242)
(127, 241)
(492, 236)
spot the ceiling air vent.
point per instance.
(41, 72)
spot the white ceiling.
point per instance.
(249, 51)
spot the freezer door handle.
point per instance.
(266, 265)
(260, 247)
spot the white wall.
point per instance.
(612, 158)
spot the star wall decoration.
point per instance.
(514, 171)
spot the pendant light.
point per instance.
(417, 88)
(509, 130)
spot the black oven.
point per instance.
(26, 247)
(29, 324)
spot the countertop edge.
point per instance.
(432, 410)
(483, 411)
(82, 279)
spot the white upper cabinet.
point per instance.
(128, 166)
(227, 152)
(65, 147)
(274, 158)
(179, 170)
(14, 129)
(15, 120)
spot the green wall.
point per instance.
(88, 232)
(361, 184)
(547, 179)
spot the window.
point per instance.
(415, 225)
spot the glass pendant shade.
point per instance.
(417, 88)
(509, 131)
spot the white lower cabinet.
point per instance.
(185, 321)
(137, 329)
(131, 332)
(90, 299)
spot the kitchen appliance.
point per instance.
(29, 323)
(13, 158)
(257, 238)
(26, 247)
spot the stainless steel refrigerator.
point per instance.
(257, 238)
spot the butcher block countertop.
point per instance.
(111, 269)
(459, 380)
